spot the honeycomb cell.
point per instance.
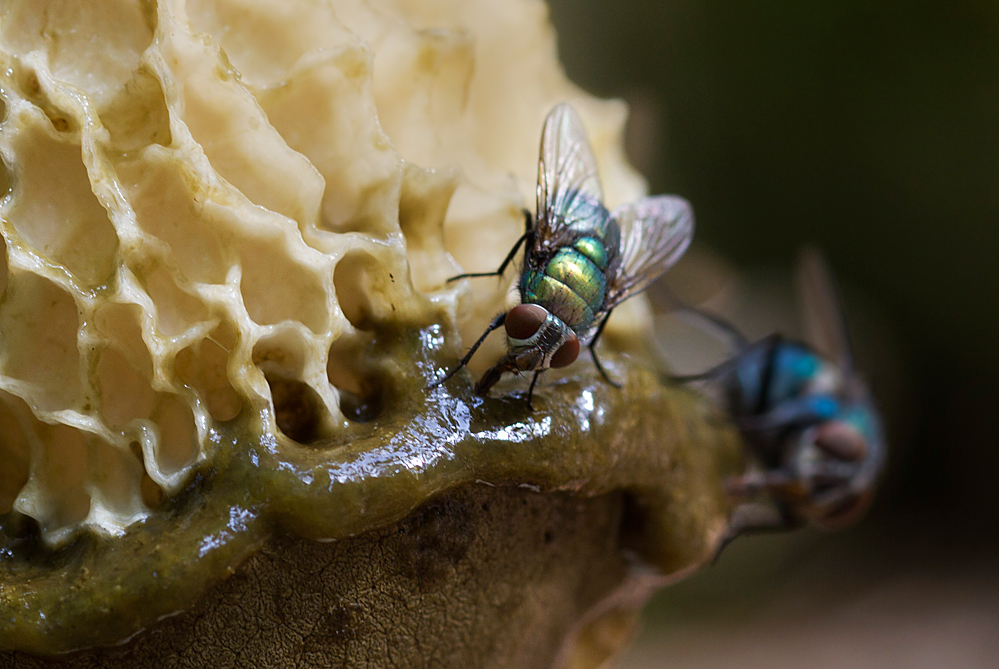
(369, 290)
(14, 466)
(340, 137)
(284, 352)
(429, 72)
(423, 204)
(56, 494)
(54, 212)
(245, 150)
(178, 444)
(125, 395)
(114, 478)
(177, 310)
(302, 399)
(298, 409)
(168, 200)
(203, 367)
(38, 325)
(120, 326)
(290, 29)
(61, 120)
(137, 114)
(351, 277)
(93, 46)
(281, 287)
(358, 384)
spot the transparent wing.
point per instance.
(569, 193)
(825, 322)
(655, 232)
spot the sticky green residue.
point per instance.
(652, 441)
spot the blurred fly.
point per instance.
(580, 260)
(814, 435)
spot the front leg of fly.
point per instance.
(527, 238)
(496, 324)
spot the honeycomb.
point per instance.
(206, 202)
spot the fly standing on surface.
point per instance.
(813, 434)
(580, 260)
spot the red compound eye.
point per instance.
(524, 320)
(841, 441)
(566, 353)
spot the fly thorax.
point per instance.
(535, 352)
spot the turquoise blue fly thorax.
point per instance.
(781, 380)
(793, 369)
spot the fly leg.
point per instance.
(712, 373)
(528, 237)
(774, 481)
(758, 519)
(770, 342)
(497, 323)
(530, 391)
(715, 325)
(593, 352)
(769, 374)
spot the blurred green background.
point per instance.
(872, 130)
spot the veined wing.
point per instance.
(825, 322)
(569, 193)
(655, 232)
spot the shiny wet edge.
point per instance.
(666, 448)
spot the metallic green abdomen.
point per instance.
(594, 250)
(573, 285)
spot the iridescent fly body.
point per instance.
(580, 260)
(814, 436)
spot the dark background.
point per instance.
(872, 130)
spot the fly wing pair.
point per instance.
(825, 322)
(654, 231)
(654, 234)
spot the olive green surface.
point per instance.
(661, 452)
(479, 577)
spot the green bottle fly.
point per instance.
(580, 260)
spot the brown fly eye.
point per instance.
(566, 353)
(842, 441)
(524, 320)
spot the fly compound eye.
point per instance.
(524, 321)
(566, 353)
(842, 441)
